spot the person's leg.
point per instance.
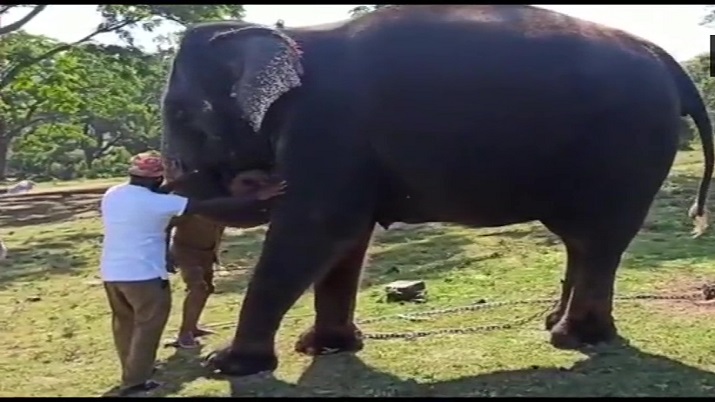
(208, 278)
(196, 263)
(151, 301)
(197, 293)
(122, 322)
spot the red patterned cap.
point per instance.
(146, 164)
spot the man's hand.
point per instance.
(271, 190)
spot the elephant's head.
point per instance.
(223, 83)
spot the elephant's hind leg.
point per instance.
(585, 313)
(334, 329)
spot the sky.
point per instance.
(674, 27)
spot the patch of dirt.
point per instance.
(49, 207)
(704, 306)
(687, 309)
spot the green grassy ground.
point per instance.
(55, 338)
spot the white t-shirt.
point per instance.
(135, 220)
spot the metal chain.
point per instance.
(493, 327)
(382, 336)
(480, 305)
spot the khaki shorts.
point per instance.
(196, 266)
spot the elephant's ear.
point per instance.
(266, 64)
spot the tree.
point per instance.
(115, 110)
(709, 17)
(121, 101)
(120, 19)
(40, 94)
(21, 94)
(699, 69)
(36, 9)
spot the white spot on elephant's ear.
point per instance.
(278, 76)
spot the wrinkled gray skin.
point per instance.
(477, 115)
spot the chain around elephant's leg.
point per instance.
(334, 329)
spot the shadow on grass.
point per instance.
(39, 209)
(420, 252)
(612, 371)
(239, 255)
(179, 369)
(402, 254)
(57, 255)
(666, 234)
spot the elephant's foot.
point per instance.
(591, 329)
(330, 340)
(226, 361)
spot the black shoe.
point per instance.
(143, 387)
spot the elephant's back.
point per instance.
(509, 57)
(465, 39)
(520, 21)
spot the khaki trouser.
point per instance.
(140, 311)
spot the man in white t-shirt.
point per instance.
(135, 216)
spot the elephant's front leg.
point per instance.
(335, 296)
(298, 251)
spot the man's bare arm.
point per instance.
(223, 209)
(236, 208)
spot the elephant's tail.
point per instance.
(692, 105)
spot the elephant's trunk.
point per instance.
(168, 153)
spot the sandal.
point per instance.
(181, 344)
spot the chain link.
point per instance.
(381, 336)
(417, 316)
(481, 305)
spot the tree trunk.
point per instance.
(89, 159)
(4, 149)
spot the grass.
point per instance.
(56, 341)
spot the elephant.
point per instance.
(476, 115)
